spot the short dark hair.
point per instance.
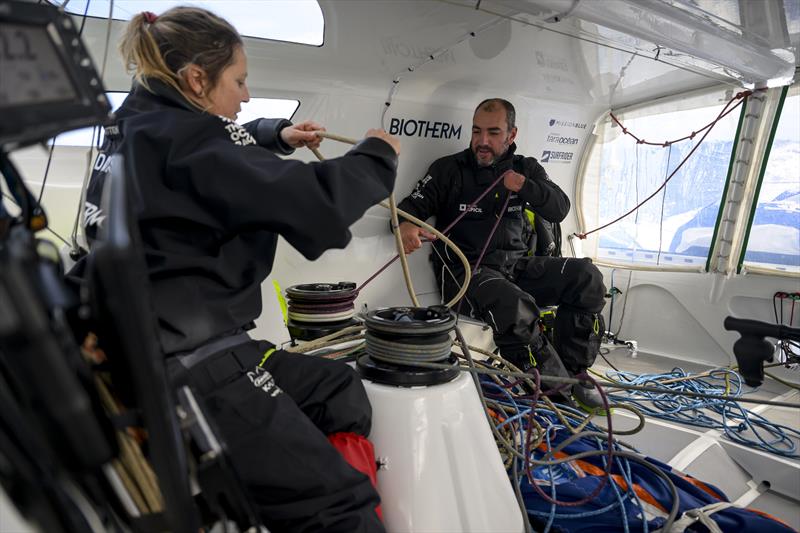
(490, 104)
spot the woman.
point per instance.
(210, 199)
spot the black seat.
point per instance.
(120, 298)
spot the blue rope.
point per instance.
(518, 420)
(552, 517)
(616, 491)
(735, 422)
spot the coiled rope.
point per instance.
(736, 423)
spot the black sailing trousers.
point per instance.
(508, 299)
(274, 420)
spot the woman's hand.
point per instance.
(302, 134)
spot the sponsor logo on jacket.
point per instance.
(409, 127)
(263, 380)
(237, 133)
(473, 209)
(92, 215)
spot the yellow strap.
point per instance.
(281, 301)
(531, 217)
(266, 356)
(596, 326)
(531, 357)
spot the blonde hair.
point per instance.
(180, 36)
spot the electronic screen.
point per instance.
(30, 69)
(48, 83)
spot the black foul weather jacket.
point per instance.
(211, 198)
(454, 182)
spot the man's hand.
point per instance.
(513, 181)
(394, 142)
(412, 236)
(302, 134)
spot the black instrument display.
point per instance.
(48, 83)
(32, 71)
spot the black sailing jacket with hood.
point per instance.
(211, 198)
(456, 181)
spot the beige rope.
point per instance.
(395, 214)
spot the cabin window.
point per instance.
(773, 239)
(255, 108)
(294, 21)
(673, 230)
(83, 136)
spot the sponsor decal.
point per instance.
(473, 209)
(262, 379)
(556, 138)
(417, 194)
(553, 156)
(514, 208)
(557, 78)
(92, 215)
(567, 124)
(102, 163)
(410, 127)
(393, 47)
(237, 133)
(551, 62)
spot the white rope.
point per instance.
(395, 214)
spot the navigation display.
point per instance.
(30, 69)
(48, 83)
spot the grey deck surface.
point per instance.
(710, 456)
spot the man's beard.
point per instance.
(495, 155)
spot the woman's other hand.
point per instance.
(302, 134)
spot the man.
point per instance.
(510, 284)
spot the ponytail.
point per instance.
(161, 47)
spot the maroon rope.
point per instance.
(486, 244)
(743, 94)
(725, 111)
(610, 443)
(444, 231)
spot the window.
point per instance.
(267, 108)
(773, 241)
(83, 136)
(255, 108)
(674, 229)
(295, 21)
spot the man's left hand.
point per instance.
(302, 134)
(513, 181)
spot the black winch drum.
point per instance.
(398, 337)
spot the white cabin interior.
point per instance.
(666, 66)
